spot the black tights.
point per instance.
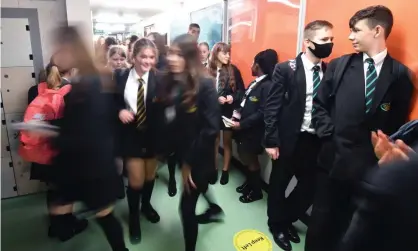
(188, 216)
(172, 161)
(113, 231)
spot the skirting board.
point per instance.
(238, 164)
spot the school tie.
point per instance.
(316, 82)
(140, 104)
(371, 79)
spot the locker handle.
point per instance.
(3, 121)
(10, 164)
(8, 148)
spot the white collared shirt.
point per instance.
(131, 89)
(251, 87)
(308, 67)
(378, 63)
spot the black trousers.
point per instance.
(188, 204)
(282, 211)
(333, 208)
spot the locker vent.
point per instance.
(27, 28)
(1, 104)
(15, 188)
(10, 164)
(8, 148)
(30, 56)
(3, 121)
(33, 75)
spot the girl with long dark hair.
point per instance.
(249, 128)
(230, 87)
(135, 104)
(189, 122)
(86, 169)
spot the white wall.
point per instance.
(79, 14)
(50, 15)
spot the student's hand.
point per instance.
(381, 143)
(236, 125)
(229, 99)
(398, 151)
(187, 178)
(126, 116)
(221, 100)
(273, 153)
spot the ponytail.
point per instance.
(54, 78)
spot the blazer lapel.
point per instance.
(151, 87)
(385, 79)
(300, 81)
(122, 79)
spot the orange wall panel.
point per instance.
(257, 25)
(402, 43)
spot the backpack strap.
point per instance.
(42, 87)
(339, 70)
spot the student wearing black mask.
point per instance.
(189, 116)
(360, 93)
(250, 123)
(290, 139)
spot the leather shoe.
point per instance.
(149, 212)
(281, 239)
(293, 234)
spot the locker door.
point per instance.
(13, 134)
(22, 174)
(5, 148)
(16, 82)
(16, 49)
(8, 183)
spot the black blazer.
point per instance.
(388, 204)
(340, 117)
(192, 132)
(121, 77)
(285, 106)
(237, 95)
(252, 114)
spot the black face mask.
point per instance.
(322, 50)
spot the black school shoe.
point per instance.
(213, 214)
(224, 177)
(214, 177)
(65, 227)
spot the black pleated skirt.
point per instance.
(137, 142)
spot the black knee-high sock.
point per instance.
(171, 163)
(133, 196)
(147, 193)
(255, 183)
(188, 216)
(113, 231)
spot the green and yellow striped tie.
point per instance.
(141, 115)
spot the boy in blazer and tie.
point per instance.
(290, 138)
(360, 93)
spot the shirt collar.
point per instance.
(378, 58)
(258, 79)
(136, 76)
(308, 64)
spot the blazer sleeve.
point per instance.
(210, 126)
(32, 93)
(321, 116)
(239, 84)
(273, 106)
(257, 117)
(402, 102)
(119, 94)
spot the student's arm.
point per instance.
(321, 116)
(402, 103)
(240, 88)
(211, 114)
(273, 106)
(257, 117)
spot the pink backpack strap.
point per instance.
(42, 87)
(64, 90)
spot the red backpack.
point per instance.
(48, 105)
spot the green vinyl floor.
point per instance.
(24, 224)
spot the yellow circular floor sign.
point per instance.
(252, 240)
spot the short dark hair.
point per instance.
(313, 26)
(375, 15)
(194, 25)
(205, 44)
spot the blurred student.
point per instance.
(204, 53)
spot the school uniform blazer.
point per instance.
(121, 77)
(285, 105)
(252, 114)
(237, 95)
(193, 131)
(341, 121)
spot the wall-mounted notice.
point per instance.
(210, 20)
